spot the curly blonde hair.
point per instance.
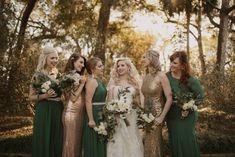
(133, 75)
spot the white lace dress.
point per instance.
(127, 139)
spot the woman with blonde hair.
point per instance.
(155, 85)
(45, 91)
(127, 140)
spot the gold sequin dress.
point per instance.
(153, 101)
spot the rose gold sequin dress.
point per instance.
(73, 126)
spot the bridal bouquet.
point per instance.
(69, 80)
(185, 101)
(145, 120)
(101, 129)
(106, 128)
(42, 83)
(120, 106)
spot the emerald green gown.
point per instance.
(48, 128)
(92, 145)
(182, 136)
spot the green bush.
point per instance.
(216, 143)
(22, 144)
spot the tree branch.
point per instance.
(230, 9)
(212, 5)
(194, 35)
(211, 19)
(47, 36)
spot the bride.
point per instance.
(127, 141)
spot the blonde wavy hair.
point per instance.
(153, 56)
(134, 77)
(42, 60)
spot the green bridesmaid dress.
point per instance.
(182, 136)
(92, 145)
(48, 128)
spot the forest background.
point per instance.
(205, 29)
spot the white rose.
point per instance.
(46, 85)
(96, 129)
(194, 107)
(44, 90)
(151, 117)
(191, 102)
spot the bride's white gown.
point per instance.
(127, 139)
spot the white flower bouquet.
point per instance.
(190, 105)
(185, 101)
(120, 106)
(45, 86)
(116, 109)
(101, 129)
(70, 79)
(145, 120)
(42, 83)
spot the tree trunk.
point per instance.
(188, 14)
(222, 38)
(199, 40)
(14, 58)
(104, 14)
(4, 31)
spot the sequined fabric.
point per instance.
(153, 101)
(73, 122)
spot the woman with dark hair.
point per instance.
(74, 108)
(155, 84)
(95, 101)
(181, 123)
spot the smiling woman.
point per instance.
(127, 140)
(74, 107)
(48, 128)
(181, 122)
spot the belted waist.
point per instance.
(54, 99)
(98, 103)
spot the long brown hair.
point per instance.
(70, 64)
(183, 59)
(91, 64)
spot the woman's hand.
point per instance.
(158, 120)
(83, 79)
(91, 124)
(184, 113)
(50, 93)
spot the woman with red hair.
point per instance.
(181, 121)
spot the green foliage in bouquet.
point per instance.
(42, 83)
(145, 119)
(69, 80)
